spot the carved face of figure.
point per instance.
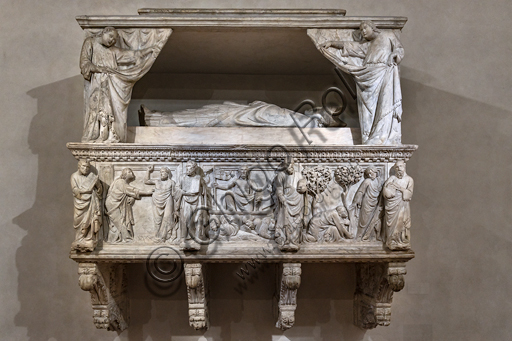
(367, 32)
(163, 175)
(244, 173)
(290, 170)
(191, 168)
(84, 168)
(342, 212)
(371, 173)
(130, 176)
(109, 38)
(400, 169)
(302, 186)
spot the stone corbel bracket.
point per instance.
(375, 284)
(290, 282)
(107, 285)
(197, 296)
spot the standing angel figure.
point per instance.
(110, 72)
(373, 62)
(163, 203)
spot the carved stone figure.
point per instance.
(372, 59)
(87, 191)
(368, 206)
(163, 203)
(229, 114)
(290, 282)
(240, 195)
(329, 226)
(192, 207)
(110, 72)
(289, 211)
(120, 198)
(397, 193)
(264, 227)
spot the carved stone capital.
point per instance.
(290, 282)
(396, 273)
(196, 292)
(107, 285)
(375, 284)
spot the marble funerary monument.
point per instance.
(221, 181)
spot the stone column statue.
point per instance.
(120, 198)
(367, 204)
(192, 207)
(397, 193)
(289, 211)
(87, 190)
(163, 203)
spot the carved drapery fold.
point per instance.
(107, 285)
(110, 73)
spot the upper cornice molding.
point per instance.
(237, 18)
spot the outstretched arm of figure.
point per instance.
(147, 179)
(333, 43)
(230, 184)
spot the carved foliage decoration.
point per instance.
(375, 284)
(290, 282)
(196, 292)
(108, 294)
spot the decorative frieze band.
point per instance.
(312, 154)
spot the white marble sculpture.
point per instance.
(397, 193)
(192, 206)
(217, 192)
(368, 205)
(163, 203)
(240, 192)
(110, 67)
(289, 210)
(329, 226)
(87, 190)
(229, 114)
(372, 58)
(120, 198)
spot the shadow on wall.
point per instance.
(51, 303)
(452, 132)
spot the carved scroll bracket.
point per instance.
(107, 285)
(290, 282)
(197, 296)
(375, 284)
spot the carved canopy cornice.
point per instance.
(278, 18)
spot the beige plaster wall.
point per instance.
(456, 85)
